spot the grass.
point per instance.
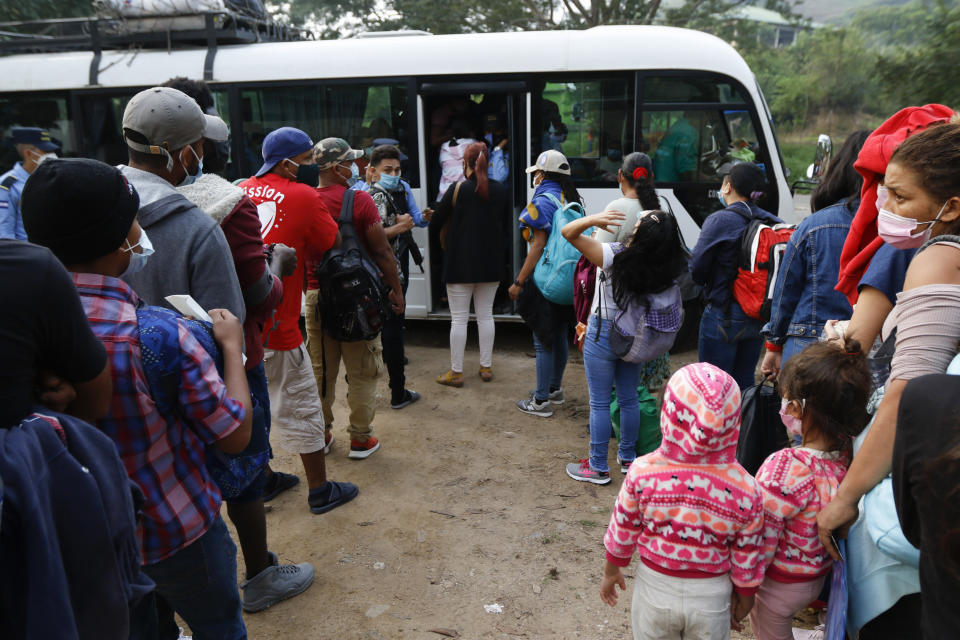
(797, 156)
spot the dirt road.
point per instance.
(465, 505)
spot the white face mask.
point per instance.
(138, 260)
(39, 158)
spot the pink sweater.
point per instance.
(797, 483)
(689, 509)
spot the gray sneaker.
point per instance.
(534, 408)
(275, 583)
(555, 397)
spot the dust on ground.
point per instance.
(466, 504)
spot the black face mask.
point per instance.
(308, 174)
(215, 156)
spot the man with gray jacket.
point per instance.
(164, 130)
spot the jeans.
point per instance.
(793, 346)
(199, 582)
(459, 296)
(604, 369)
(551, 361)
(733, 343)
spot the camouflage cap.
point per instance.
(331, 151)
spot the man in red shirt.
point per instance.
(292, 213)
(363, 360)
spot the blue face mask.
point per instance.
(138, 260)
(390, 183)
(354, 174)
(190, 179)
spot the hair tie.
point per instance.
(756, 194)
(640, 172)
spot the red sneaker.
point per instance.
(361, 450)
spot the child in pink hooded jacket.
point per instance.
(693, 514)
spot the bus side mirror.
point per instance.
(821, 160)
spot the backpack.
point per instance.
(762, 246)
(351, 300)
(160, 354)
(584, 285)
(553, 274)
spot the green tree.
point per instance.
(18, 10)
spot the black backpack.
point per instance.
(351, 300)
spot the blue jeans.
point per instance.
(199, 582)
(792, 346)
(604, 369)
(733, 343)
(551, 361)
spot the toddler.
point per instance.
(693, 514)
(825, 391)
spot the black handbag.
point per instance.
(761, 429)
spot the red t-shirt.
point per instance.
(294, 214)
(365, 215)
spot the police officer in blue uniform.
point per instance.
(33, 146)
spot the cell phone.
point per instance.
(836, 545)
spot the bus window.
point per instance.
(692, 126)
(101, 136)
(359, 113)
(591, 122)
(47, 111)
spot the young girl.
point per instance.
(643, 271)
(825, 391)
(694, 515)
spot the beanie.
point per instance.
(78, 208)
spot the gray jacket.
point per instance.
(192, 256)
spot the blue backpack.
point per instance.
(554, 272)
(160, 353)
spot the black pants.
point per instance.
(392, 338)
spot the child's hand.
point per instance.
(739, 609)
(227, 330)
(612, 576)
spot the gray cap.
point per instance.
(169, 120)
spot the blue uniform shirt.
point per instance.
(11, 225)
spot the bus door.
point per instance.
(497, 112)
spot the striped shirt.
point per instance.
(166, 460)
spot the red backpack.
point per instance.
(584, 284)
(762, 246)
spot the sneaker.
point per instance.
(275, 583)
(555, 397)
(327, 442)
(337, 493)
(409, 397)
(624, 465)
(486, 374)
(361, 450)
(277, 483)
(582, 472)
(534, 408)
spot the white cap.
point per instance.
(552, 162)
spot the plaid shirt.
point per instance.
(167, 461)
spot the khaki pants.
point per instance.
(295, 410)
(363, 362)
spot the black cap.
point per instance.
(745, 177)
(40, 138)
(78, 208)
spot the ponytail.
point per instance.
(477, 158)
(649, 200)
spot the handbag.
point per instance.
(446, 227)
(761, 429)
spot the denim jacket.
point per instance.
(804, 297)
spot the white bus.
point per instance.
(594, 95)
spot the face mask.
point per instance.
(138, 260)
(190, 179)
(897, 231)
(537, 179)
(39, 158)
(354, 174)
(308, 174)
(793, 424)
(390, 183)
(720, 197)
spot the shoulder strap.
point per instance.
(552, 198)
(944, 239)
(456, 192)
(8, 182)
(346, 208)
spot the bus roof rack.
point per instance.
(96, 34)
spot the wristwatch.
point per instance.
(518, 283)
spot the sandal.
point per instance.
(451, 379)
(486, 374)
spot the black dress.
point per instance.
(476, 238)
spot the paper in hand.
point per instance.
(189, 307)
